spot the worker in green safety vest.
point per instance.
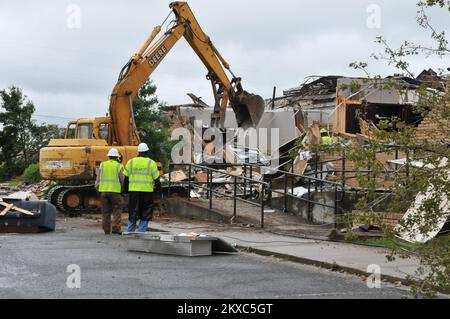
(326, 139)
(109, 183)
(141, 181)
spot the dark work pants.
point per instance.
(112, 204)
(140, 208)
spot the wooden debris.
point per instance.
(9, 207)
(201, 177)
(313, 134)
(237, 171)
(300, 166)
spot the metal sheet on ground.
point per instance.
(169, 244)
(219, 246)
(418, 217)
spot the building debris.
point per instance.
(335, 102)
(415, 215)
(22, 195)
(25, 192)
(195, 194)
(221, 183)
(346, 108)
(201, 177)
(300, 191)
(178, 176)
(241, 155)
(24, 210)
(235, 140)
(235, 171)
(19, 216)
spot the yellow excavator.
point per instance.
(75, 159)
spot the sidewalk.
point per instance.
(337, 256)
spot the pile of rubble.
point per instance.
(25, 192)
(4, 189)
(222, 185)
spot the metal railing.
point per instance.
(310, 181)
(263, 188)
(237, 180)
(313, 181)
(395, 149)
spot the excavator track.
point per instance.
(53, 193)
(74, 200)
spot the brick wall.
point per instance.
(433, 128)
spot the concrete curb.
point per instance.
(322, 264)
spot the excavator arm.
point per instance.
(247, 107)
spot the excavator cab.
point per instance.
(98, 128)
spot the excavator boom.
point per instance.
(247, 107)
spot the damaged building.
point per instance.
(279, 127)
(346, 104)
(318, 187)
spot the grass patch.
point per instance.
(15, 183)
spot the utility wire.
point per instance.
(52, 116)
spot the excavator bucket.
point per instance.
(250, 111)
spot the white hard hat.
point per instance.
(113, 153)
(142, 148)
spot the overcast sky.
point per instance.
(69, 72)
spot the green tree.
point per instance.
(153, 126)
(20, 136)
(16, 133)
(32, 174)
(42, 135)
(433, 275)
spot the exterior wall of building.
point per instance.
(433, 128)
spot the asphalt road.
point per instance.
(35, 266)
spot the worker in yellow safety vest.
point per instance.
(326, 139)
(109, 183)
(141, 181)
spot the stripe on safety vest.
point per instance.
(105, 180)
(142, 182)
(149, 173)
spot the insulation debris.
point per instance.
(178, 176)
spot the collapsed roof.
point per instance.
(319, 91)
